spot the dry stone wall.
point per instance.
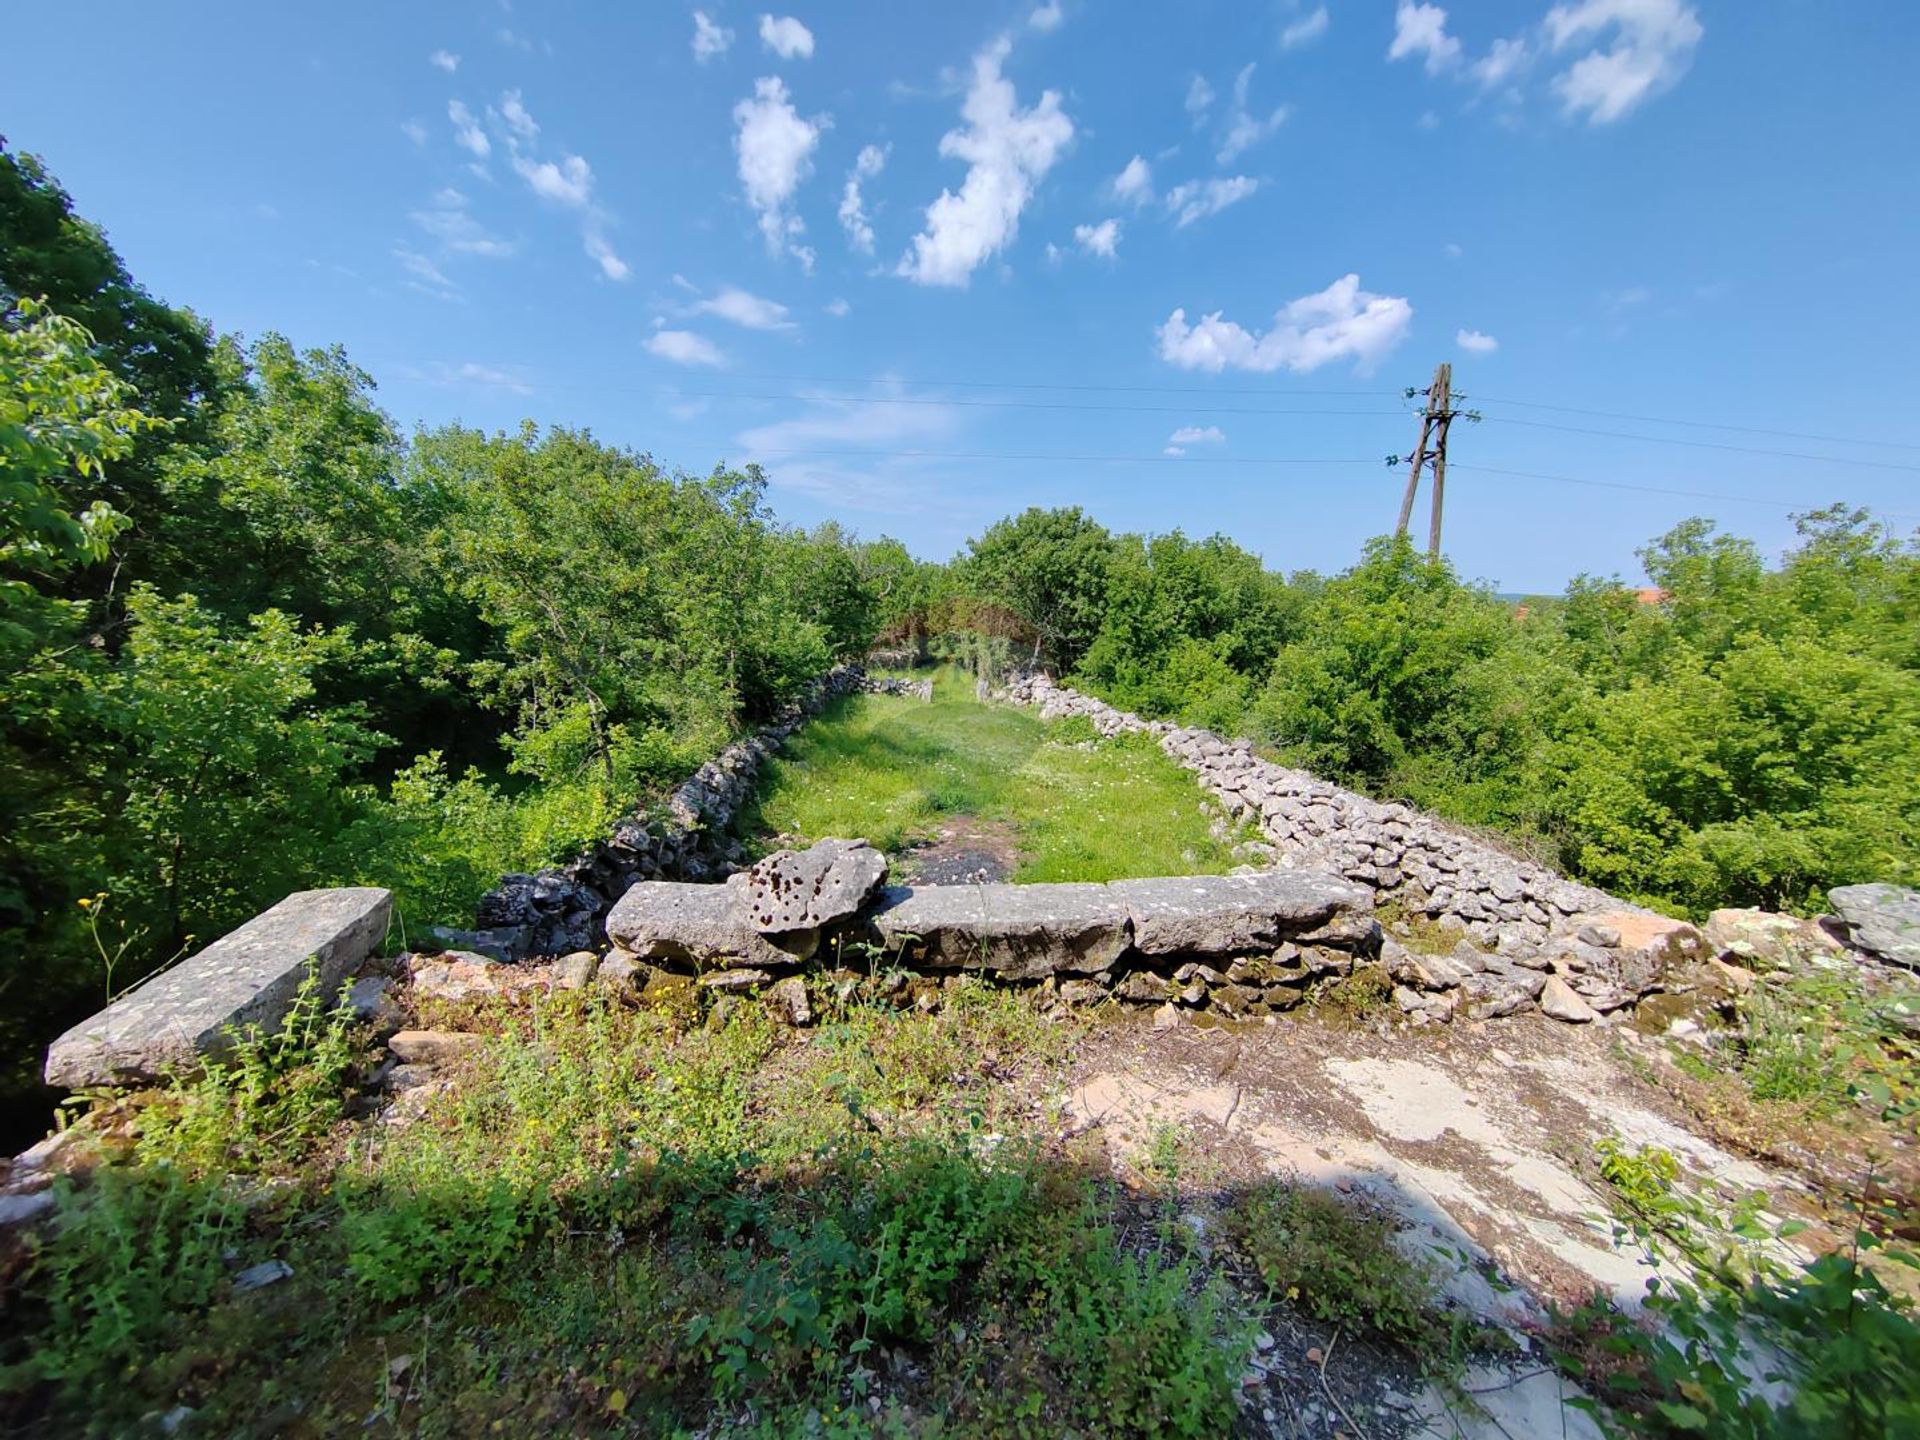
(1525, 926)
(564, 908)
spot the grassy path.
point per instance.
(899, 771)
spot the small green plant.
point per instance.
(265, 1101)
(1740, 1342)
(130, 1261)
(1356, 998)
(1339, 1263)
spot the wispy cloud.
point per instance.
(739, 307)
(1102, 239)
(786, 37)
(808, 452)
(444, 60)
(683, 347)
(1008, 151)
(853, 212)
(774, 145)
(1304, 31)
(709, 39)
(1342, 322)
(1197, 199)
(1475, 342)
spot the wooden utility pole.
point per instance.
(1435, 420)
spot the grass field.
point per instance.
(895, 771)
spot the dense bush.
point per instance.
(252, 639)
(1743, 735)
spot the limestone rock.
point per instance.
(1021, 932)
(788, 1000)
(371, 1000)
(1558, 1000)
(245, 981)
(734, 982)
(26, 1209)
(430, 1047)
(575, 971)
(454, 975)
(1235, 914)
(1763, 940)
(696, 926)
(621, 975)
(807, 889)
(1882, 920)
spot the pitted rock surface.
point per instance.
(698, 927)
(806, 889)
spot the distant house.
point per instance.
(1651, 595)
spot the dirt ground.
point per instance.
(1474, 1135)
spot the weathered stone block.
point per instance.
(1234, 914)
(245, 981)
(806, 889)
(1883, 920)
(697, 927)
(1021, 932)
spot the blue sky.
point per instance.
(932, 263)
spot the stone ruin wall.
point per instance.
(1525, 926)
(563, 908)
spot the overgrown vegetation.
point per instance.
(1747, 1338)
(1739, 735)
(1078, 807)
(612, 1224)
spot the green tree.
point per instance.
(1049, 567)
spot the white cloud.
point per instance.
(821, 452)
(741, 308)
(1501, 63)
(1102, 239)
(445, 60)
(467, 133)
(448, 221)
(516, 117)
(1342, 322)
(568, 182)
(1452, 251)
(1134, 184)
(1653, 44)
(601, 250)
(853, 213)
(1048, 17)
(709, 39)
(1421, 29)
(1474, 342)
(683, 347)
(775, 148)
(414, 131)
(471, 373)
(786, 37)
(1008, 151)
(838, 308)
(427, 276)
(1243, 128)
(1305, 30)
(1199, 97)
(1198, 435)
(1198, 199)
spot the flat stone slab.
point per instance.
(1020, 932)
(1883, 920)
(244, 981)
(1234, 914)
(698, 927)
(806, 889)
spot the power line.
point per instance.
(1025, 404)
(809, 452)
(1707, 425)
(1656, 489)
(1708, 445)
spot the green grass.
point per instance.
(893, 770)
(618, 1225)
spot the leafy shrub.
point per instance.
(1339, 1263)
